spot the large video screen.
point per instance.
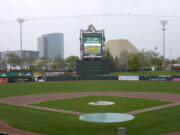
(92, 46)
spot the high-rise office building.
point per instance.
(51, 45)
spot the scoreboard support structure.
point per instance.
(91, 53)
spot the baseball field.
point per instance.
(53, 108)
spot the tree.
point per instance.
(168, 61)
(43, 63)
(13, 59)
(107, 56)
(146, 57)
(173, 61)
(54, 66)
(178, 60)
(71, 62)
(33, 67)
(59, 63)
(157, 62)
(122, 60)
(134, 62)
(29, 62)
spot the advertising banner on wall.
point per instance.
(128, 78)
(157, 78)
(54, 74)
(92, 46)
(176, 79)
(3, 80)
(16, 74)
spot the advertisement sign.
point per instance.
(3, 75)
(3, 80)
(54, 74)
(92, 46)
(176, 79)
(128, 78)
(156, 78)
(164, 76)
(15, 74)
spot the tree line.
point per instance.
(128, 61)
(42, 63)
(141, 60)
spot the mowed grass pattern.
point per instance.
(121, 105)
(11, 90)
(52, 123)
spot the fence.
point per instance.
(121, 78)
(82, 78)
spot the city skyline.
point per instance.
(138, 21)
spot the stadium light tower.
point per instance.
(163, 24)
(20, 21)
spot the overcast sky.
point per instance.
(143, 31)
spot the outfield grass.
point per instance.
(121, 105)
(147, 73)
(52, 123)
(10, 90)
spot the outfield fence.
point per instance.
(120, 78)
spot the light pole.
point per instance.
(156, 55)
(163, 23)
(20, 21)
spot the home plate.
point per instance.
(101, 103)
